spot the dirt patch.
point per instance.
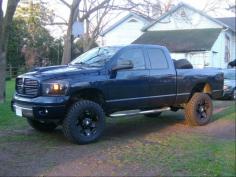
(220, 129)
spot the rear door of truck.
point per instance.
(162, 79)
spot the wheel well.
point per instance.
(89, 94)
(202, 87)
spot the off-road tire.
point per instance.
(42, 126)
(153, 114)
(72, 127)
(198, 110)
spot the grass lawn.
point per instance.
(8, 120)
(179, 150)
(184, 154)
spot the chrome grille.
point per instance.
(27, 87)
(19, 85)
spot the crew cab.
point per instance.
(108, 81)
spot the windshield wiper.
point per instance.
(79, 63)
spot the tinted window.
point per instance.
(157, 59)
(136, 56)
(96, 57)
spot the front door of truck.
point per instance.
(129, 88)
(162, 80)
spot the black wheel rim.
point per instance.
(87, 123)
(202, 109)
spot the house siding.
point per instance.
(182, 18)
(197, 59)
(213, 58)
(193, 20)
(218, 49)
(123, 34)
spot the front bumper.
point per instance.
(41, 108)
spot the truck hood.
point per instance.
(61, 71)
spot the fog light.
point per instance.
(43, 112)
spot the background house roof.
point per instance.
(130, 15)
(229, 21)
(174, 9)
(181, 40)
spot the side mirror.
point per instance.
(123, 64)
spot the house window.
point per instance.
(227, 49)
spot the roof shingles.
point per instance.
(181, 40)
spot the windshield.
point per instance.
(96, 57)
(230, 74)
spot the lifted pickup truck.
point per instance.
(108, 80)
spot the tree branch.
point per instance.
(56, 23)
(100, 6)
(64, 20)
(65, 3)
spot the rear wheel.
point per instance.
(84, 123)
(199, 109)
(42, 126)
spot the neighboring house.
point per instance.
(190, 33)
(124, 32)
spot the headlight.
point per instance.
(56, 88)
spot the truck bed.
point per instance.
(187, 79)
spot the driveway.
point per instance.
(130, 146)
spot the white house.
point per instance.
(125, 31)
(185, 31)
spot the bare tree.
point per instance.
(78, 11)
(231, 6)
(151, 9)
(94, 14)
(96, 22)
(5, 24)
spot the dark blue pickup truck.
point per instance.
(108, 81)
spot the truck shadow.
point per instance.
(133, 126)
(136, 126)
(140, 125)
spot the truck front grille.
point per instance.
(27, 87)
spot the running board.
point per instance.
(132, 113)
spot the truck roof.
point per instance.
(140, 45)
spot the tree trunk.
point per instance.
(67, 45)
(2, 75)
(5, 24)
(66, 58)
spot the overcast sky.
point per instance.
(63, 11)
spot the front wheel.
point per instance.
(199, 109)
(84, 123)
(42, 126)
